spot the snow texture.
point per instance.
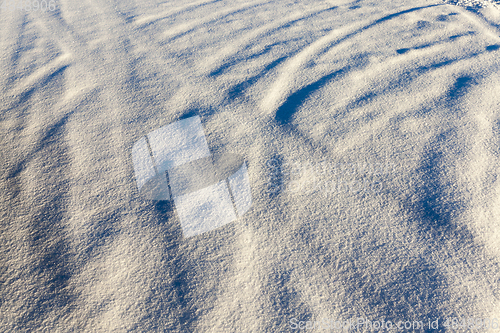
(371, 135)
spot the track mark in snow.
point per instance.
(220, 59)
(493, 47)
(183, 29)
(238, 90)
(295, 100)
(67, 105)
(484, 27)
(281, 87)
(438, 42)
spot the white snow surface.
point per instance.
(371, 134)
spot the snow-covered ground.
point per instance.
(371, 132)
(472, 4)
